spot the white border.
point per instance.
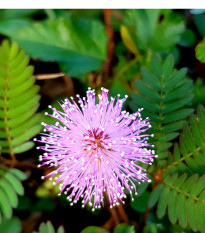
(100, 4)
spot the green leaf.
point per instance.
(8, 27)
(150, 228)
(18, 100)
(17, 13)
(94, 229)
(146, 29)
(26, 125)
(10, 193)
(200, 51)
(178, 115)
(23, 147)
(178, 92)
(163, 201)
(23, 117)
(188, 38)
(199, 20)
(60, 230)
(17, 173)
(185, 198)
(144, 22)
(172, 127)
(150, 78)
(17, 186)
(198, 187)
(9, 187)
(146, 90)
(188, 156)
(48, 228)
(124, 228)
(141, 101)
(168, 66)
(25, 96)
(191, 212)
(140, 203)
(4, 205)
(156, 66)
(170, 107)
(46, 41)
(26, 136)
(172, 207)
(181, 206)
(165, 94)
(175, 79)
(20, 89)
(155, 195)
(200, 216)
(12, 225)
(189, 183)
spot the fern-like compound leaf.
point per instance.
(10, 186)
(188, 155)
(184, 200)
(165, 95)
(19, 100)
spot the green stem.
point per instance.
(6, 122)
(184, 158)
(185, 194)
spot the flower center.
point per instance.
(95, 141)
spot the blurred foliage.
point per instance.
(48, 228)
(155, 30)
(157, 57)
(12, 225)
(10, 188)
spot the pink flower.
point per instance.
(96, 149)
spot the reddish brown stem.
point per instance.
(16, 163)
(107, 69)
(157, 179)
(122, 213)
(115, 216)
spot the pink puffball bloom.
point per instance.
(95, 149)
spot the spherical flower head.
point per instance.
(95, 149)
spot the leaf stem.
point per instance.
(49, 76)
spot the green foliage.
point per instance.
(140, 202)
(79, 47)
(9, 26)
(165, 94)
(184, 198)
(188, 38)
(10, 187)
(124, 228)
(199, 91)
(188, 155)
(157, 30)
(48, 228)
(18, 100)
(199, 20)
(94, 229)
(200, 51)
(12, 225)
